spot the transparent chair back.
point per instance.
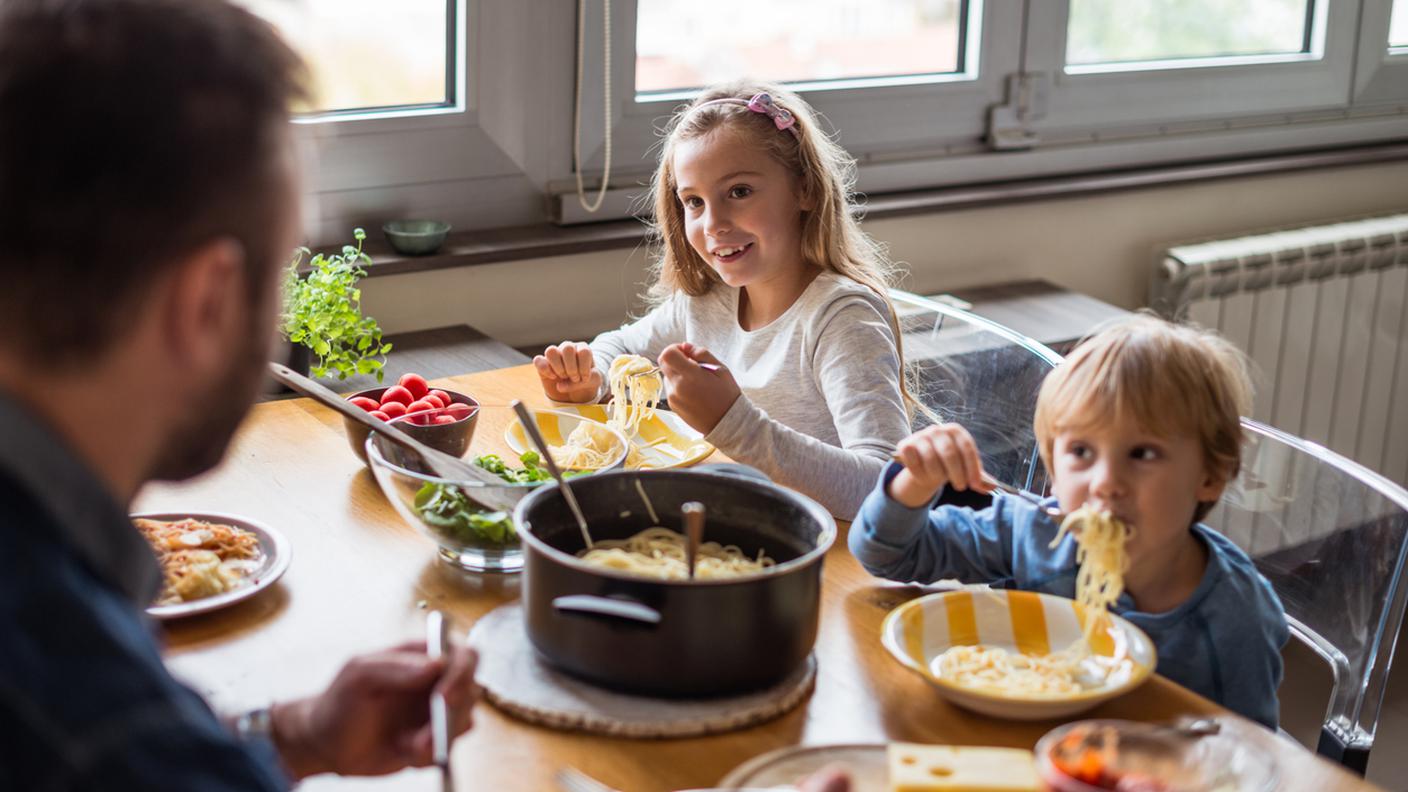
(1330, 536)
(978, 373)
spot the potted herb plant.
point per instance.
(323, 313)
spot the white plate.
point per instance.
(271, 566)
(784, 767)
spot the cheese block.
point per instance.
(956, 768)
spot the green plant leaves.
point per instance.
(322, 311)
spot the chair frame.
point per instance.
(1345, 736)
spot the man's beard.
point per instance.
(198, 442)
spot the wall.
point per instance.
(1101, 245)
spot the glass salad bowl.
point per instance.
(470, 521)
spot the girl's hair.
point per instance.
(832, 239)
(1170, 378)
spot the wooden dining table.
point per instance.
(362, 578)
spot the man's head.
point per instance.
(1160, 396)
(147, 198)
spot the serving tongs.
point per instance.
(435, 633)
(530, 428)
(440, 463)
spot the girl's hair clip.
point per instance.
(760, 103)
(781, 117)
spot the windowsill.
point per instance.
(471, 248)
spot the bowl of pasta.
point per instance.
(1020, 655)
(471, 522)
(615, 606)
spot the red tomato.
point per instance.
(431, 397)
(364, 403)
(445, 400)
(416, 384)
(397, 393)
(394, 409)
(459, 411)
(420, 419)
(421, 405)
(444, 419)
(380, 416)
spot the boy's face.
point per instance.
(1149, 481)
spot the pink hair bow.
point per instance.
(763, 103)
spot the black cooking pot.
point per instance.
(674, 637)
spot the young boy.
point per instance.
(1141, 420)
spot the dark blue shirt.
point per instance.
(85, 701)
(1223, 642)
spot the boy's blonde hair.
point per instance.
(832, 239)
(1170, 378)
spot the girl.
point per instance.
(765, 272)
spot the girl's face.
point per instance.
(1151, 482)
(741, 209)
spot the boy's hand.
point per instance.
(699, 396)
(569, 372)
(933, 457)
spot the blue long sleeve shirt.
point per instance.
(1224, 642)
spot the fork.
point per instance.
(712, 367)
(570, 779)
(1030, 497)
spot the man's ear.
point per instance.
(206, 306)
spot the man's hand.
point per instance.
(699, 396)
(374, 718)
(933, 457)
(568, 372)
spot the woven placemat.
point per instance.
(518, 682)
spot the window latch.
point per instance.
(1010, 123)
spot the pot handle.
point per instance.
(626, 610)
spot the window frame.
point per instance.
(1382, 73)
(875, 118)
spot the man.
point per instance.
(148, 198)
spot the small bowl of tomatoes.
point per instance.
(442, 419)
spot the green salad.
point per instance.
(533, 471)
(448, 510)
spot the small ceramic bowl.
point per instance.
(1096, 755)
(452, 438)
(415, 237)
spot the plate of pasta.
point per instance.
(1021, 655)
(659, 439)
(210, 561)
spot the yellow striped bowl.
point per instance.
(665, 440)
(556, 426)
(920, 630)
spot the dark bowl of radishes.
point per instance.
(442, 419)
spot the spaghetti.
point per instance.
(635, 390)
(1099, 582)
(200, 559)
(660, 553)
(1103, 561)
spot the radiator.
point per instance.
(1320, 312)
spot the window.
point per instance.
(463, 110)
(687, 44)
(1116, 31)
(369, 54)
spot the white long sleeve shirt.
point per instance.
(821, 410)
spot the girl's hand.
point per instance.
(933, 457)
(569, 372)
(698, 396)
